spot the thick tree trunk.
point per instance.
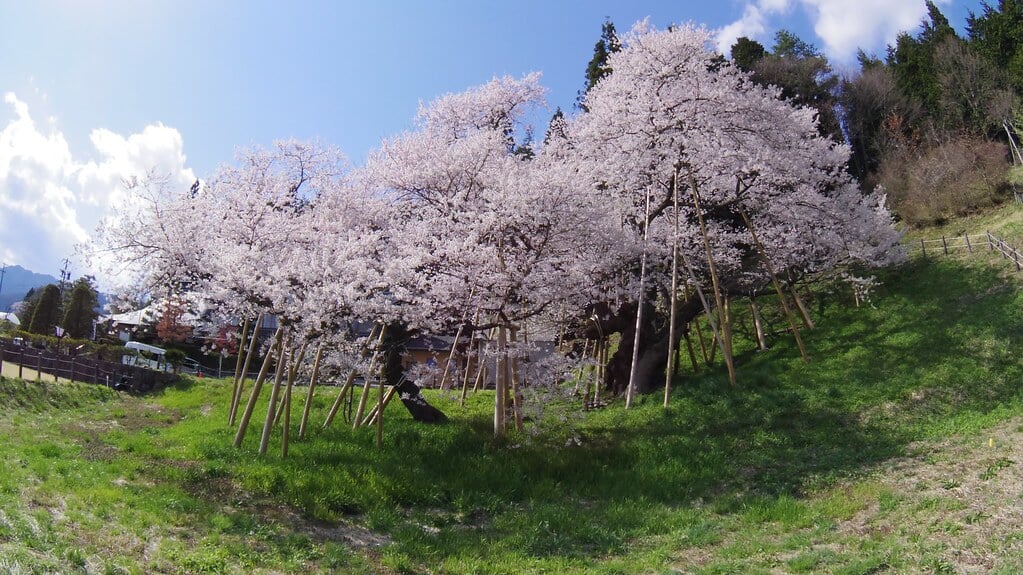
(409, 393)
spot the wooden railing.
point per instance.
(82, 369)
(949, 244)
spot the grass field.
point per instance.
(896, 449)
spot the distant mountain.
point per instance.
(16, 283)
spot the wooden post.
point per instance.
(990, 244)
(271, 409)
(372, 417)
(1015, 258)
(969, 248)
(944, 244)
(923, 247)
(256, 387)
(380, 413)
(309, 396)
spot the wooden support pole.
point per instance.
(516, 382)
(367, 383)
(669, 373)
(309, 396)
(923, 247)
(692, 352)
(630, 391)
(777, 286)
(500, 382)
(944, 244)
(725, 335)
(332, 413)
(372, 417)
(245, 369)
(236, 389)
(969, 248)
(758, 323)
(469, 355)
(286, 406)
(271, 410)
(447, 364)
(256, 387)
(803, 312)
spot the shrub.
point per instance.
(956, 178)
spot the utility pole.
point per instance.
(3, 272)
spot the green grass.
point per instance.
(839, 465)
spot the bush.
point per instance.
(957, 178)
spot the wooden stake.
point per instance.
(451, 354)
(309, 396)
(692, 352)
(257, 387)
(468, 369)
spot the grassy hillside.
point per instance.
(895, 449)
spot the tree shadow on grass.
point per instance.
(881, 377)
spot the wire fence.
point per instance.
(978, 242)
(82, 369)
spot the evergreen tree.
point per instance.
(598, 68)
(997, 36)
(80, 310)
(747, 53)
(47, 311)
(912, 59)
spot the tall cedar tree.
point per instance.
(81, 309)
(997, 36)
(171, 327)
(47, 311)
(912, 59)
(598, 68)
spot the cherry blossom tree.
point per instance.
(677, 139)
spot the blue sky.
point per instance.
(95, 90)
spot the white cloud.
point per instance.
(50, 201)
(841, 26)
(844, 26)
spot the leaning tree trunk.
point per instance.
(409, 393)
